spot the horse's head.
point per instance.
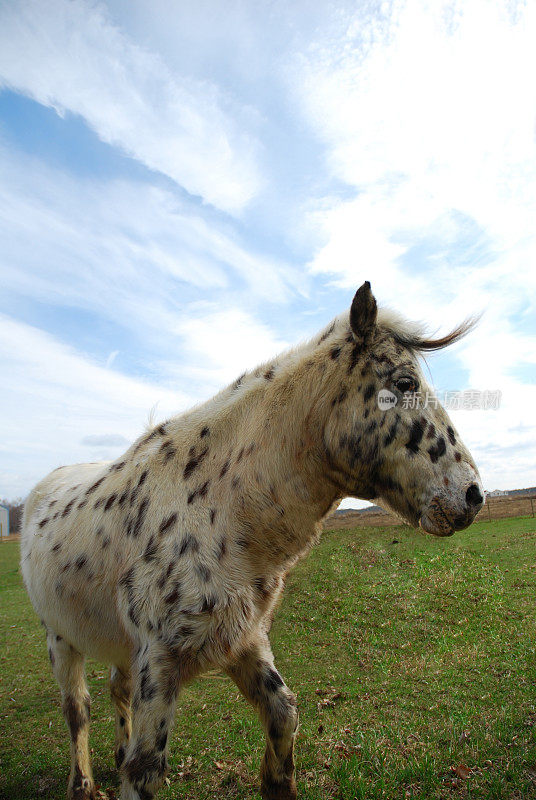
(387, 438)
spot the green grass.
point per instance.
(411, 659)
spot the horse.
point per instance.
(170, 560)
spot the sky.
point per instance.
(188, 188)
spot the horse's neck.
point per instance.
(285, 490)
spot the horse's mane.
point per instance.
(414, 335)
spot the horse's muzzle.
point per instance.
(442, 519)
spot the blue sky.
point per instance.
(188, 188)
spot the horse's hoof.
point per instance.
(83, 790)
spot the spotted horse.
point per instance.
(170, 560)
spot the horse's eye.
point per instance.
(406, 385)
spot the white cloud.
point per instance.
(69, 56)
(219, 345)
(55, 399)
(105, 440)
(126, 250)
(421, 115)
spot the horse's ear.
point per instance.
(363, 312)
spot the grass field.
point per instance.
(413, 659)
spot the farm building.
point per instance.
(4, 521)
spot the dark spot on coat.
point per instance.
(147, 687)
(235, 482)
(67, 508)
(212, 515)
(142, 510)
(240, 454)
(199, 492)
(109, 503)
(161, 741)
(80, 561)
(82, 503)
(193, 463)
(457, 456)
(56, 547)
(391, 433)
(222, 549)
(415, 436)
(225, 468)
(272, 680)
(174, 595)
(369, 392)
(203, 572)
(165, 575)
(340, 398)
(335, 353)
(43, 522)
(189, 543)
(141, 765)
(124, 495)
(94, 486)
(77, 714)
(327, 333)
(354, 357)
(120, 754)
(105, 542)
(269, 374)
(118, 466)
(209, 604)
(452, 437)
(205, 432)
(167, 523)
(151, 549)
(134, 615)
(431, 432)
(437, 450)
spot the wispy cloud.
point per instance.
(218, 345)
(70, 56)
(105, 440)
(129, 251)
(54, 399)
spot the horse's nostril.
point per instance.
(473, 496)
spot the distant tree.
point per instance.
(16, 508)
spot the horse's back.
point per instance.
(53, 486)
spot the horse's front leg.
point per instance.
(256, 677)
(155, 684)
